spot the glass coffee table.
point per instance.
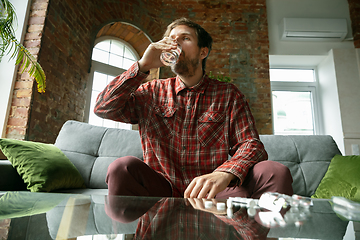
(26, 215)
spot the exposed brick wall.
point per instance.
(239, 29)
(66, 45)
(4, 228)
(64, 55)
(19, 117)
(354, 7)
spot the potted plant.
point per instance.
(220, 78)
(10, 45)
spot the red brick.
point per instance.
(21, 112)
(38, 13)
(33, 36)
(32, 43)
(18, 122)
(23, 84)
(34, 51)
(24, 93)
(36, 20)
(35, 28)
(4, 228)
(16, 133)
(21, 102)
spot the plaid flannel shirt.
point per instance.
(185, 132)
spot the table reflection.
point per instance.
(171, 218)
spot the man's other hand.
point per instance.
(208, 185)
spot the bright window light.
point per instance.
(116, 54)
(100, 81)
(292, 113)
(294, 104)
(292, 75)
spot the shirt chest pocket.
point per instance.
(211, 127)
(162, 125)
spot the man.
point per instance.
(188, 125)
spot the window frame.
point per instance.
(311, 87)
(100, 67)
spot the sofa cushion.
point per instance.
(307, 158)
(43, 167)
(341, 179)
(92, 148)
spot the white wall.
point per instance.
(339, 88)
(279, 9)
(330, 105)
(348, 85)
(337, 63)
(7, 68)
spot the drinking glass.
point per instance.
(170, 58)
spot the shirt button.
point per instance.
(210, 119)
(183, 169)
(183, 147)
(188, 106)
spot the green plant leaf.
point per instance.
(9, 44)
(220, 78)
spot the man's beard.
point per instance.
(186, 67)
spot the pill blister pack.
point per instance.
(273, 209)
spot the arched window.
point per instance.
(111, 57)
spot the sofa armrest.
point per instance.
(10, 179)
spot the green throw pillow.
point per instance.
(20, 204)
(43, 167)
(341, 179)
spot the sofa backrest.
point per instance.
(307, 156)
(91, 148)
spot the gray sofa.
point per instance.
(93, 148)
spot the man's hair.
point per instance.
(204, 38)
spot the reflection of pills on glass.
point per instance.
(220, 206)
(229, 203)
(230, 212)
(251, 204)
(208, 204)
(251, 212)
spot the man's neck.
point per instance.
(191, 81)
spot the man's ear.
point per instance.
(204, 52)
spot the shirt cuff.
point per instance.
(140, 72)
(134, 72)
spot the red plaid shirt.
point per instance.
(185, 132)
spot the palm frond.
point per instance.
(9, 44)
(7, 11)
